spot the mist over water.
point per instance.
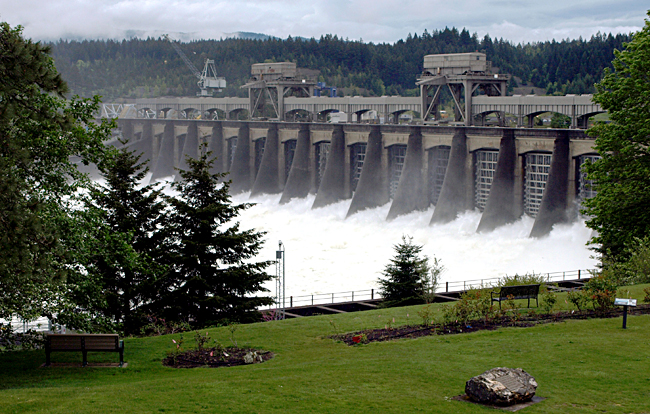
(327, 253)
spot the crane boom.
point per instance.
(208, 78)
(187, 61)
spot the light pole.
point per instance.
(279, 274)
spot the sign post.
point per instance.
(625, 303)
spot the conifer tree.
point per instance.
(130, 240)
(406, 276)
(212, 276)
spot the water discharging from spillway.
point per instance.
(327, 253)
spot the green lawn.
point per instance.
(590, 366)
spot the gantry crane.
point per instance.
(208, 79)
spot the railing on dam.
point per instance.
(445, 287)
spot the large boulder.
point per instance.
(501, 386)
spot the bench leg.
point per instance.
(85, 358)
(47, 358)
(121, 357)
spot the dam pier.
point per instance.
(503, 172)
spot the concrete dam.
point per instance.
(503, 172)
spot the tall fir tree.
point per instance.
(212, 276)
(129, 243)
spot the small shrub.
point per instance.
(390, 323)
(481, 300)
(159, 326)
(527, 279)
(549, 299)
(426, 313)
(177, 350)
(510, 306)
(464, 309)
(601, 290)
(646, 299)
(201, 340)
(449, 314)
(432, 280)
(232, 327)
(579, 299)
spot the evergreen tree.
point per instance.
(407, 275)
(619, 212)
(39, 132)
(129, 241)
(212, 276)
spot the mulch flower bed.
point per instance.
(523, 320)
(214, 358)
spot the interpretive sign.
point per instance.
(624, 302)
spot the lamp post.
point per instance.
(280, 279)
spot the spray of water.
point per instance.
(327, 253)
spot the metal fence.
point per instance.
(325, 298)
(493, 282)
(445, 287)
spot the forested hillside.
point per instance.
(150, 68)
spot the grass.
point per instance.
(581, 366)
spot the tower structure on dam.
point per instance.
(271, 83)
(464, 74)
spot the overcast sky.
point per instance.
(371, 20)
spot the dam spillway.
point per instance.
(505, 173)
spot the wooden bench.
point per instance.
(84, 343)
(516, 292)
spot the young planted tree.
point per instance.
(128, 244)
(212, 276)
(619, 212)
(407, 276)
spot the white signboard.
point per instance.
(625, 302)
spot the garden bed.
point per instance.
(215, 358)
(521, 320)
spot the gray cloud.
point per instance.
(370, 20)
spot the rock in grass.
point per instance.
(501, 386)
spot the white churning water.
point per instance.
(327, 253)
